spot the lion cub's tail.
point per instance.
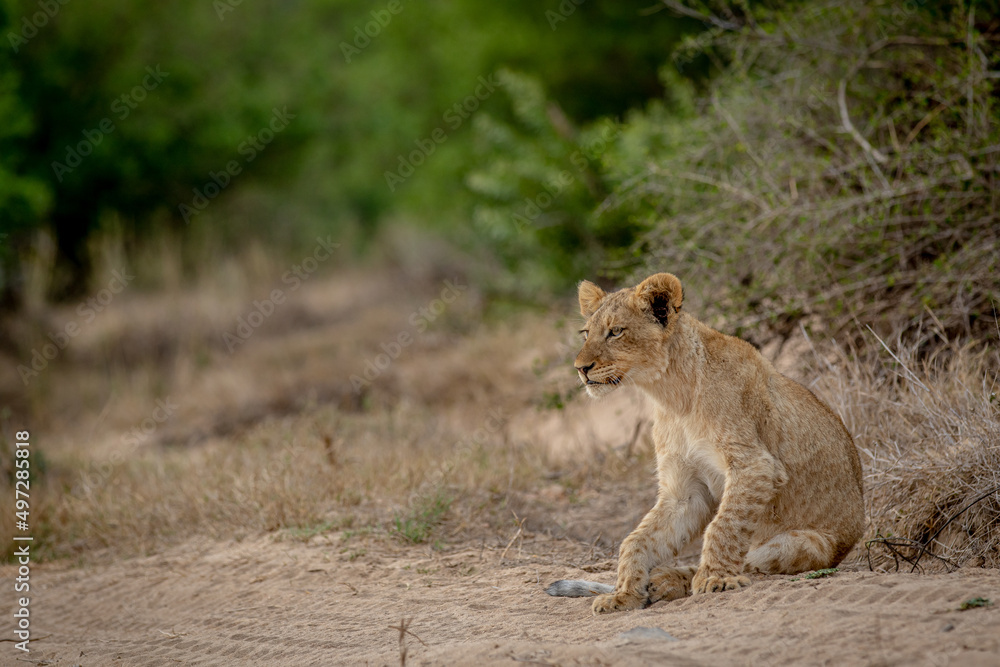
(577, 588)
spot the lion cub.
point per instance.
(746, 458)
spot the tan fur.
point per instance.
(746, 457)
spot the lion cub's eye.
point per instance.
(583, 333)
(615, 332)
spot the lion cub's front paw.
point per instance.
(669, 583)
(713, 583)
(609, 602)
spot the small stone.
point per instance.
(645, 634)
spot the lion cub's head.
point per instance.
(626, 331)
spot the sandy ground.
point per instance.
(292, 603)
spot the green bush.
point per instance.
(840, 168)
(842, 171)
(542, 183)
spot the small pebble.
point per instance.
(640, 633)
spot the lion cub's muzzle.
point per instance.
(605, 375)
(583, 370)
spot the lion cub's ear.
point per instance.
(590, 298)
(660, 294)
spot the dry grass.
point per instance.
(458, 439)
(928, 428)
(274, 438)
(319, 469)
(398, 471)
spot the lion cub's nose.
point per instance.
(583, 369)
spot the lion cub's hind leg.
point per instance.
(792, 552)
(670, 583)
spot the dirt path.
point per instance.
(291, 603)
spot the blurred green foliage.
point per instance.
(541, 191)
(121, 115)
(23, 199)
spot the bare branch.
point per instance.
(845, 119)
(684, 10)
